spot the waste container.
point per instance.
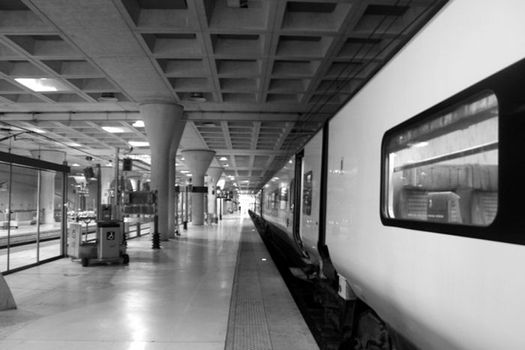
(109, 239)
(109, 246)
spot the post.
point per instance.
(186, 208)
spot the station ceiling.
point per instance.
(256, 78)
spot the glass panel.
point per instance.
(23, 225)
(4, 205)
(445, 169)
(51, 214)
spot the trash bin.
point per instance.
(109, 239)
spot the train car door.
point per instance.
(310, 195)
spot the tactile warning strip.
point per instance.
(247, 325)
(263, 314)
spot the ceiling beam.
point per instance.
(135, 115)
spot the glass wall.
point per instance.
(31, 211)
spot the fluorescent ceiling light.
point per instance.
(138, 124)
(184, 171)
(75, 164)
(418, 144)
(138, 143)
(189, 175)
(113, 129)
(43, 84)
(223, 158)
(37, 130)
(73, 144)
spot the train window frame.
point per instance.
(509, 220)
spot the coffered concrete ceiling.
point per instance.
(257, 78)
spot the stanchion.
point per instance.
(156, 236)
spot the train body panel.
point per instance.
(278, 198)
(439, 291)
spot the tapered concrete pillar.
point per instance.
(47, 183)
(177, 134)
(162, 121)
(198, 162)
(214, 173)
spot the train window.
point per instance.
(444, 168)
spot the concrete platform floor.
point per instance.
(174, 298)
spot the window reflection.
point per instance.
(445, 169)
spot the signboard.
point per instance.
(110, 235)
(199, 189)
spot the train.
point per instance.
(408, 202)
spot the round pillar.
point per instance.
(47, 183)
(214, 173)
(172, 207)
(162, 121)
(198, 161)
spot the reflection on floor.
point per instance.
(174, 298)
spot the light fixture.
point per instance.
(223, 158)
(73, 144)
(197, 97)
(107, 97)
(138, 124)
(43, 84)
(113, 129)
(38, 131)
(418, 144)
(184, 171)
(189, 175)
(138, 143)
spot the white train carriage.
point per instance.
(416, 193)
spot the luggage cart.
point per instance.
(109, 246)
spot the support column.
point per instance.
(163, 121)
(176, 136)
(198, 162)
(47, 183)
(214, 173)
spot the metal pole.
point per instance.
(186, 208)
(99, 193)
(114, 214)
(38, 189)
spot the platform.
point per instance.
(213, 288)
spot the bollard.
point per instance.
(156, 236)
